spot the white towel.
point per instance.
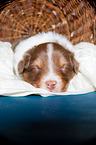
(83, 82)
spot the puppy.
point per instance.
(48, 66)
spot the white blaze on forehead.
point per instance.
(49, 54)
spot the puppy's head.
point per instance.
(49, 66)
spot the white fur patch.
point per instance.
(49, 53)
(36, 40)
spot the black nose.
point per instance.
(51, 84)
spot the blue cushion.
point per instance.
(57, 119)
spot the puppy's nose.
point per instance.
(51, 84)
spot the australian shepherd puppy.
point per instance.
(46, 61)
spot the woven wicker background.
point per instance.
(76, 19)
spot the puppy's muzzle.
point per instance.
(51, 85)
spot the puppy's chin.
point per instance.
(56, 90)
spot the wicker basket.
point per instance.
(75, 19)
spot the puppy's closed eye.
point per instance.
(38, 63)
(62, 63)
(36, 67)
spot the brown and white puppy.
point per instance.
(49, 66)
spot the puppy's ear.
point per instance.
(24, 64)
(74, 63)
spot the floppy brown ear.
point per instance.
(24, 64)
(74, 63)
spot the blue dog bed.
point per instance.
(60, 119)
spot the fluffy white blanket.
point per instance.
(83, 82)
